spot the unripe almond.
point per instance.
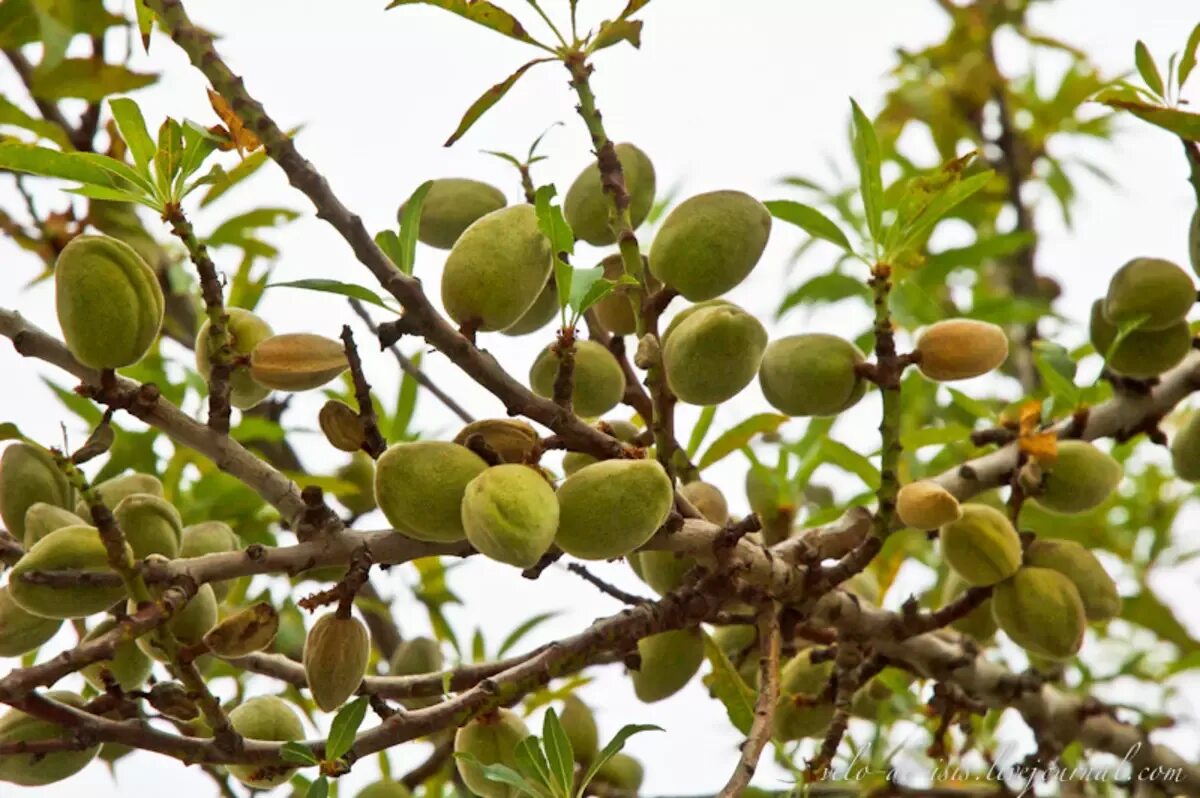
(420, 655)
(37, 770)
(341, 426)
(663, 570)
(982, 547)
(151, 525)
(958, 349)
(1080, 478)
(615, 310)
(612, 507)
(420, 487)
(1154, 290)
(385, 789)
(597, 380)
(70, 548)
(979, 623)
(111, 491)
(335, 659)
(926, 505)
(297, 361)
(1185, 449)
(359, 472)
(669, 660)
(129, 665)
(510, 513)
(1101, 601)
(109, 302)
(623, 772)
(580, 726)
(800, 712)
(1140, 354)
(264, 718)
(28, 475)
(210, 537)
(172, 699)
(20, 630)
(188, 626)
(244, 632)
(708, 499)
(41, 519)
(586, 205)
(512, 440)
(813, 374)
(451, 205)
(246, 331)
(620, 429)
(540, 313)
(492, 739)
(713, 354)
(1041, 611)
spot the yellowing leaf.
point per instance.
(243, 139)
(1042, 447)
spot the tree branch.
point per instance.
(764, 706)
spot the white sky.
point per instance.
(722, 95)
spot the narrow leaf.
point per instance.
(516, 635)
(616, 31)
(298, 754)
(739, 435)
(810, 220)
(319, 788)
(389, 242)
(497, 773)
(86, 79)
(728, 686)
(480, 12)
(1181, 123)
(344, 727)
(132, 125)
(551, 221)
(613, 748)
(410, 224)
(145, 22)
(941, 205)
(558, 752)
(12, 114)
(1147, 68)
(701, 429)
(847, 459)
(866, 152)
(336, 287)
(588, 287)
(1188, 62)
(488, 98)
(532, 762)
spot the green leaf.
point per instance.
(612, 748)
(728, 686)
(588, 287)
(1181, 123)
(45, 162)
(866, 153)
(1054, 363)
(531, 762)
(480, 12)
(849, 460)
(221, 180)
(145, 22)
(12, 114)
(86, 79)
(940, 205)
(335, 287)
(319, 788)
(934, 436)
(516, 635)
(235, 231)
(500, 774)
(489, 98)
(551, 221)
(132, 125)
(10, 432)
(76, 404)
(810, 220)
(558, 752)
(1146, 610)
(298, 754)
(169, 155)
(831, 287)
(389, 242)
(1147, 68)
(410, 225)
(197, 146)
(406, 402)
(700, 430)
(971, 405)
(1188, 62)
(55, 35)
(345, 726)
(739, 435)
(616, 31)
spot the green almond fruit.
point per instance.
(210, 537)
(491, 739)
(1041, 611)
(736, 641)
(451, 205)
(1150, 288)
(129, 665)
(598, 384)
(246, 331)
(420, 486)
(623, 772)
(1080, 479)
(669, 661)
(385, 789)
(663, 570)
(335, 659)
(28, 475)
(38, 770)
(41, 519)
(297, 361)
(710, 243)
(70, 548)
(586, 206)
(580, 726)
(622, 430)
(1185, 449)
(979, 623)
(189, 625)
(614, 310)
(244, 632)
(510, 514)
(418, 656)
(982, 546)
(812, 374)
(959, 349)
(497, 269)
(111, 491)
(22, 631)
(799, 714)
(773, 508)
(359, 472)
(1140, 354)
(713, 354)
(1097, 590)
(543, 310)
(118, 330)
(264, 718)
(513, 440)
(612, 507)
(151, 525)
(708, 499)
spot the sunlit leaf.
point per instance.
(480, 12)
(86, 79)
(336, 287)
(809, 219)
(410, 225)
(866, 152)
(616, 31)
(1147, 68)
(345, 727)
(489, 98)
(739, 435)
(728, 686)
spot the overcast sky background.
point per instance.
(723, 94)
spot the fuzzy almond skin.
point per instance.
(264, 718)
(335, 659)
(297, 361)
(72, 547)
(710, 243)
(108, 300)
(510, 513)
(800, 681)
(247, 331)
(188, 626)
(492, 739)
(622, 430)
(415, 656)
(497, 269)
(586, 204)
(28, 475)
(1185, 450)
(713, 354)
(982, 546)
(37, 770)
(598, 382)
(420, 486)
(513, 440)
(451, 206)
(20, 630)
(114, 489)
(610, 508)
(151, 525)
(926, 505)
(1140, 355)
(623, 772)
(540, 313)
(360, 472)
(959, 349)
(41, 519)
(244, 632)
(1151, 287)
(812, 374)
(1080, 479)
(614, 311)
(979, 623)
(580, 725)
(1041, 611)
(1101, 601)
(210, 537)
(129, 666)
(708, 499)
(662, 570)
(669, 661)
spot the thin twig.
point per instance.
(764, 706)
(374, 442)
(604, 587)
